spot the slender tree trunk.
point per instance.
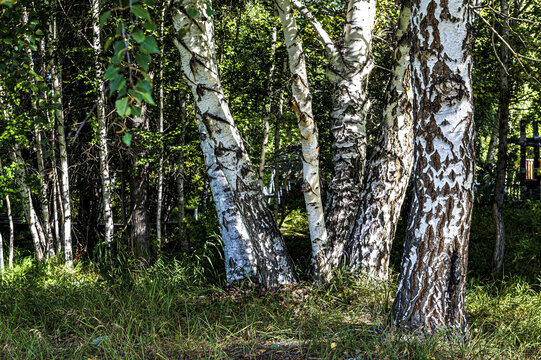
(159, 200)
(106, 186)
(301, 103)
(277, 125)
(389, 168)
(11, 233)
(1, 254)
(198, 56)
(431, 288)
(62, 146)
(493, 143)
(501, 165)
(140, 224)
(181, 203)
(28, 205)
(268, 109)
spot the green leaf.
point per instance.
(104, 17)
(108, 43)
(118, 84)
(143, 60)
(192, 13)
(138, 35)
(149, 25)
(136, 110)
(127, 139)
(150, 45)
(210, 12)
(141, 12)
(119, 47)
(111, 72)
(121, 106)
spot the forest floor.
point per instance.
(170, 311)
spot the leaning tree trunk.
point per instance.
(106, 186)
(501, 164)
(431, 287)
(196, 47)
(301, 102)
(349, 68)
(389, 168)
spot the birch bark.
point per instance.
(301, 102)
(62, 146)
(181, 203)
(349, 68)
(11, 233)
(106, 186)
(196, 47)
(431, 287)
(389, 168)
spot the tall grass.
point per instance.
(166, 312)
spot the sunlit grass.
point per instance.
(163, 312)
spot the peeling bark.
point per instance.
(389, 168)
(198, 56)
(431, 287)
(301, 102)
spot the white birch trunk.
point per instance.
(11, 233)
(62, 150)
(181, 203)
(28, 206)
(388, 170)
(348, 71)
(1, 254)
(301, 103)
(198, 56)
(106, 186)
(431, 287)
(268, 109)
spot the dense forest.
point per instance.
(274, 179)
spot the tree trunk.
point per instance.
(181, 203)
(493, 143)
(501, 165)
(140, 224)
(28, 205)
(431, 287)
(198, 57)
(389, 168)
(349, 68)
(277, 125)
(1, 254)
(301, 102)
(11, 233)
(268, 109)
(106, 186)
(62, 146)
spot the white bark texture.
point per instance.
(62, 148)
(240, 258)
(1, 254)
(388, 170)
(198, 57)
(11, 232)
(301, 103)
(431, 287)
(181, 201)
(349, 68)
(106, 187)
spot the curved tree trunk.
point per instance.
(196, 47)
(431, 287)
(301, 103)
(389, 168)
(501, 164)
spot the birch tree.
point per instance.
(301, 102)
(102, 125)
(389, 169)
(196, 46)
(431, 287)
